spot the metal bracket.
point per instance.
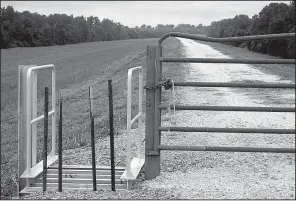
(152, 153)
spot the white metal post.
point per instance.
(128, 118)
(19, 124)
(53, 124)
(29, 126)
(22, 124)
(34, 115)
(140, 111)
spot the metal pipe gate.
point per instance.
(154, 82)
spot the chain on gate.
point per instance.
(168, 84)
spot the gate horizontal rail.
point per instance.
(230, 61)
(227, 149)
(233, 84)
(230, 108)
(228, 130)
(230, 39)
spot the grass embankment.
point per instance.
(78, 67)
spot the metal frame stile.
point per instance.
(134, 166)
(153, 145)
(27, 127)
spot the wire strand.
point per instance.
(55, 101)
(174, 106)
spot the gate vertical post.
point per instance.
(151, 161)
(157, 119)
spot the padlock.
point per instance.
(168, 84)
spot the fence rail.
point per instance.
(230, 39)
(229, 130)
(229, 108)
(237, 85)
(228, 61)
(227, 149)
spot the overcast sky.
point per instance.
(136, 13)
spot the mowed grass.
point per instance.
(78, 67)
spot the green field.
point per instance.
(78, 67)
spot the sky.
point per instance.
(136, 13)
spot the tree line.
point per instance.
(272, 19)
(26, 29)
